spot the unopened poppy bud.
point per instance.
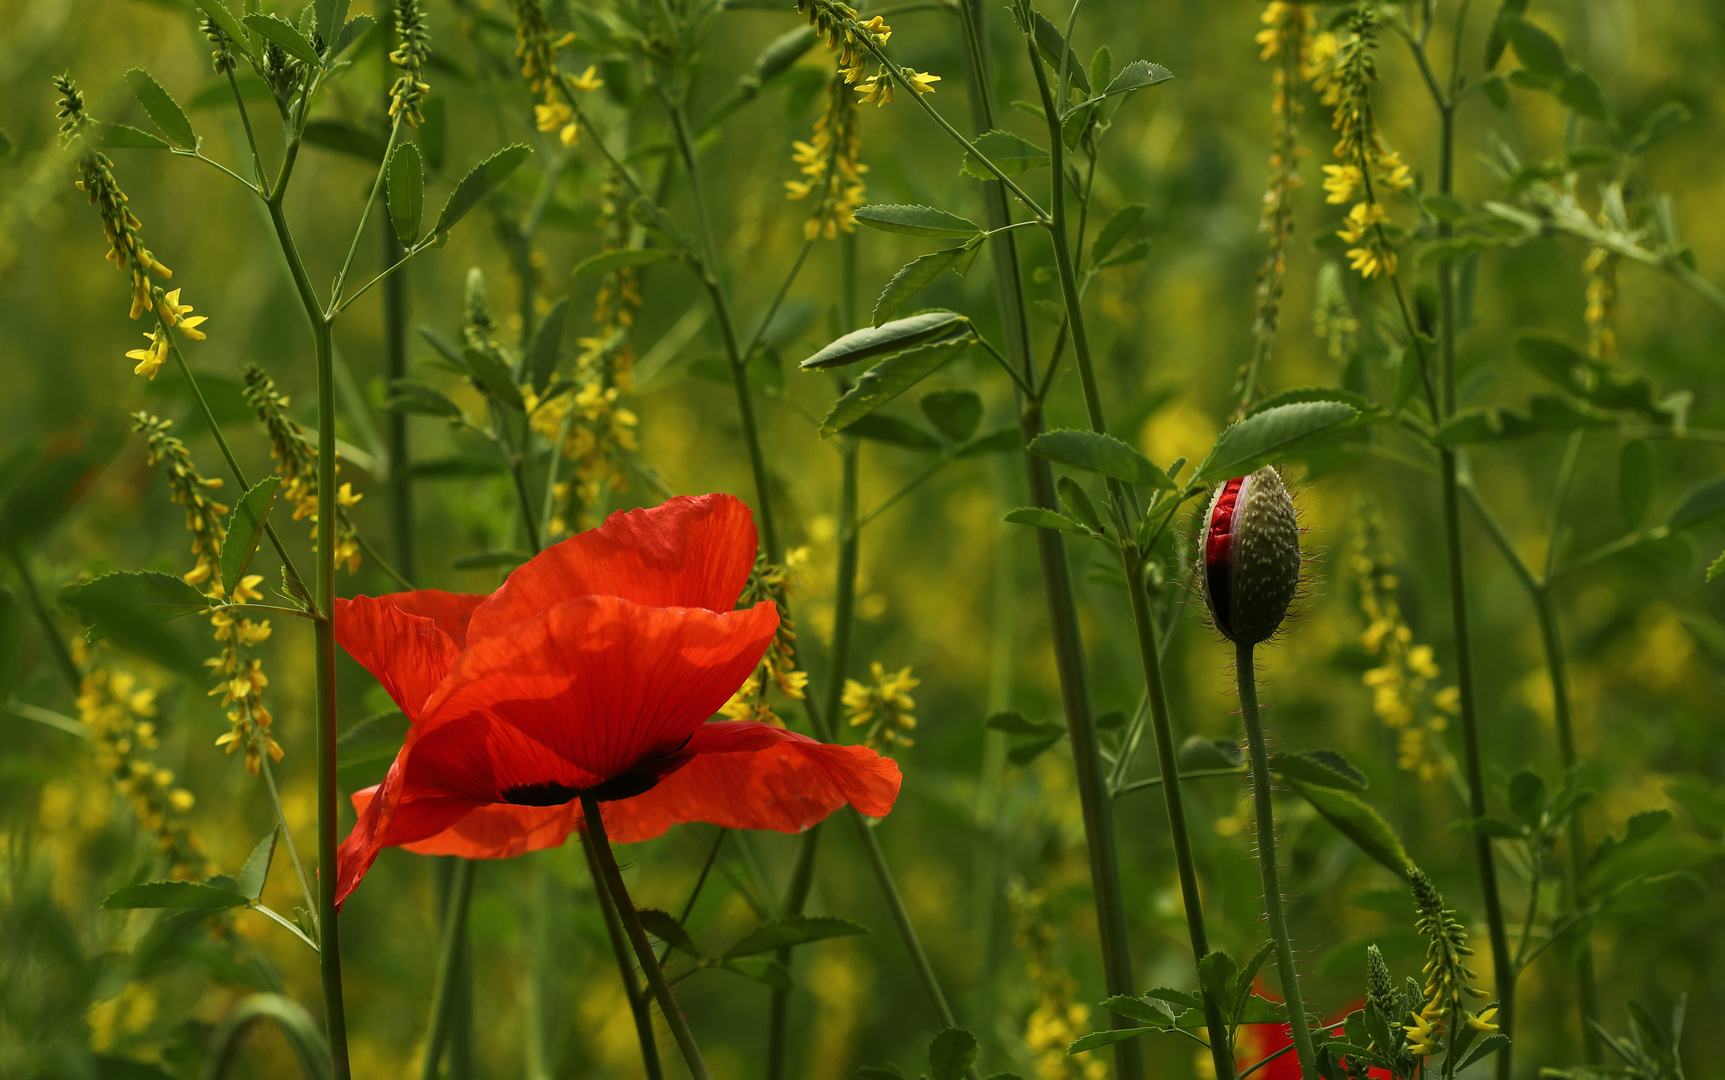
(1251, 556)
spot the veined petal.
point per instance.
(689, 552)
(385, 821)
(594, 689)
(407, 640)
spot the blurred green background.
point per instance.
(990, 854)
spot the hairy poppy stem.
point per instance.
(1247, 678)
(620, 948)
(595, 829)
(448, 966)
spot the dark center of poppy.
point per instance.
(551, 793)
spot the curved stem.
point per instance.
(448, 963)
(281, 822)
(620, 949)
(1247, 677)
(595, 830)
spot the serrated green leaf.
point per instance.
(1319, 767)
(916, 220)
(330, 15)
(1217, 974)
(283, 34)
(870, 342)
(351, 31)
(406, 192)
(911, 279)
(1107, 1038)
(1716, 568)
(1262, 438)
(174, 894)
(888, 379)
(1487, 1046)
(1099, 453)
(1016, 723)
(1044, 518)
(245, 529)
(127, 137)
(1119, 225)
(607, 261)
(257, 868)
(1356, 820)
(951, 1054)
(413, 397)
(1135, 76)
(1053, 47)
(1701, 503)
(1011, 154)
(547, 345)
(146, 596)
(893, 432)
(494, 377)
(164, 111)
(1538, 51)
(223, 16)
(479, 182)
(664, 926)
(1078, 503)
(791, 930)
(954, 412)
(762, 969)
(1031, 749)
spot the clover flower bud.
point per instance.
(1251, 556)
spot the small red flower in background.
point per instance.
(1259, 1041)
(595, 667)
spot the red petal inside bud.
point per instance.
(1218, 536)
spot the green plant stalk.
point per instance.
(796, 896)
(39, 608)
(449, 950)
(619, 946)
(1502, 963)
(601, 845)
(329, 953)
(537, 1033)
(1247, 677)
(400, 481)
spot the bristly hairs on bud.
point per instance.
(1250, 567)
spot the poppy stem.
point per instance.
(1247, 679)
(595, 829)
(620, 948)
(448, 965)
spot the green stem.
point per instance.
(595, 831)
(281, 822)
(620, 950)
(400, 481)
(796, 896)
(329, 954)
(449, 950)
(365, 214)
(38, 607)
(1247, 678)
(1156, 781)
(1587, 988)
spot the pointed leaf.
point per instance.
(1016, 723)
(1136, 76)
(869, 342)
(916, 220)
(351, 31)
(494, 377)
(1119, 225)
(547, 345)
(1262, 438)
(1053, 46)
(127, 137)
(1243, 981)
(955, 412)
(223, 16)
(1098, 453)
(1487, 1046)
(479, 183)
(664, 926)
(1527, 797)
(245, 529)
(1078, 503)
(1001, 440)
(1217, 973)
(284, 34)
(175, 894)
(888, 379)
(1181, 998)
(1702, 502)
(1045, 519)
(951, 1054)
(1356, 820)
(792, 930)
(911, 279)
(1319, 767)
(762, 969)
(1026, 752)
(146, 595)
(406, 191)
(331, 14)
(1011, 154)
(607, 261)
(257, 868)
(164, 111)
(1538, 51)
(893, 432)
(1107, 1038)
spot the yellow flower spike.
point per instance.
(150, 359)
(922, 82)
(570, 135)
(588, 81)
(551, 117)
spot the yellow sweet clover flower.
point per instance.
(1343, 77)
(189, 489)
(778, 667)
(1400, 684)
(1601, 310)
(174, 313)
(1058, 1018)
(884, 706)
(828, 162)
(296, 463)
(150, 358)
(536, 48)
(410, 55)
(119, 711)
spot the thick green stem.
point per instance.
(595, 831)
(400, 483)
(329, 953)
(449, 948)
(1587, 989)
(620, 949)
(1247, 679)
(796, 896)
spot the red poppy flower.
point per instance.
(1259, 1041)
(595, 667)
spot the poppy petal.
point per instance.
(693, 552)
(386, 822)
(450, 611)
(593, 689)
(404, 640)
(497, 831)
(756, 776)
